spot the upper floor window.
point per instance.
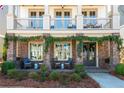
(62, 14)
(36, 13)
(89, 13)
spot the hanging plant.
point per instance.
(49, 40)
(5, 47)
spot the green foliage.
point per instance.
(75, 77)
(7, 65)
(79, 68)
(119, 69)
(43, 72)
(33, 75)
(54, 75)
(18, 75)
(82, 74)
(12, 73)
(21, 75)
(5, 47)
(64, 78)
(49, 40)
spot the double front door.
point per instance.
(36, 18)
(62, 18)
(89, 53)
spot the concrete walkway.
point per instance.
(106, 80)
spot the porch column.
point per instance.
(11, 51)
(114, 55)
(46, 18)
(79, 18)
(10, 17)
(47, 57)
(122, 50)
(115, 17)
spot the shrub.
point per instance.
(79, 68)
(54, 75)
(21, 75)
(119, 69)
(12, 73)
(64, 78)
(7, 65)
(82, 74)
(43, 72)
(33, 75)
(18, 75)
(75, 77)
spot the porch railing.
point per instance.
(97, 23)
(28, 23)
(63, 23)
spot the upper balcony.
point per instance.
(62, 18)
(63, 23)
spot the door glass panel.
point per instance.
(66, 21)
(33, 21)
(85, 15)
(41, 19)
(58, 22)
(89, 53)
(93, 15)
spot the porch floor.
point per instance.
(59, 70)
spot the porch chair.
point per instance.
(27, 63)
(57, 63)
(69, 63)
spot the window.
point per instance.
(36, 51)
(62, 51)
(89, 13)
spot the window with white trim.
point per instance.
(63, 51)
(36, 51)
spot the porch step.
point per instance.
(96, 70)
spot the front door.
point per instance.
(89, 53)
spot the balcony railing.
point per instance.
(28, 23)
(63, 23)
(97, 23)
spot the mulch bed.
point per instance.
(119, 76)
(30, 83)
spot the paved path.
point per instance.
(106, 80)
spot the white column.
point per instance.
(115, 17)
(122, 33)
(79, 17)
(46, 8)
(46, 18)
(10, 17)
(79, 10)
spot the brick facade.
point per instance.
(103, 53)
(22, 49)
(105, 50)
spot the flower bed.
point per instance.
(86, 82)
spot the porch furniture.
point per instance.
(55, 63)
(27, 63)
(36, 65)
(69, 63)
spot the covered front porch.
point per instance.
(63, 54)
